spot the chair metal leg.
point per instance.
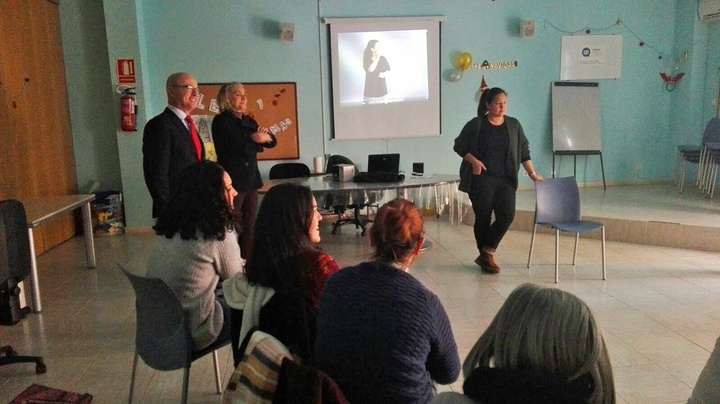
(603, 254)
(132, 378)
(186, 377)
(557, 256)
(532, 245)
(577, 241)
(714, 179)
(218, 386)
(701, 168)
(682, 175)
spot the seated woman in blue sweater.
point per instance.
(543, 346)
(381, 335)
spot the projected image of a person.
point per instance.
(376, 68)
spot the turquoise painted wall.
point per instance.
(220, 41)
(712, 73)
(93, 126)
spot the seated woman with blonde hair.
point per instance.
(543, 346)
(381, 335)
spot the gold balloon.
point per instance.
(464, 61)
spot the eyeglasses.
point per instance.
(187, 88)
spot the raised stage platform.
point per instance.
(655, 214)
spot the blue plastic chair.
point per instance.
(162, 338)
(557, 206)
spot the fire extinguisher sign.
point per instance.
(126, 71)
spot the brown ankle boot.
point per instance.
(487, 262)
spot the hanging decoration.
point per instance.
(618, 23)
(463, 62)
(485, 65)
(671, 82)
(483, 86)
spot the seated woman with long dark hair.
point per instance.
(285, 273)
(382, 336)
(198, 249)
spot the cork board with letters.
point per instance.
(273, 105)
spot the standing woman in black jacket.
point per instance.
(493, 146)
(238, 138)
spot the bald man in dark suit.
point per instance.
(168, 142)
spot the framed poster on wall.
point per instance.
(591, 57)
(273, 105)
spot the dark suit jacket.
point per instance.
(168, 148)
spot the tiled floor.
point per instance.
(658, 309)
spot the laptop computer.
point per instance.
(384, 163)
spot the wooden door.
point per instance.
(36, 147)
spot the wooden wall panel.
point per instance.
(38, 158)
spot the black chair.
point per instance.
(332, 162)
(15, 264)
(339, 204)
(289, 170)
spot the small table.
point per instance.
(354, 191)
(41, 211)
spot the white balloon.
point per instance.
(456, 75)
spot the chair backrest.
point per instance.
(15, 259)
(289, 170)
(557, 200)
(712, 132)
(334, 160)
(162, 338)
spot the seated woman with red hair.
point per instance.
(381, 335)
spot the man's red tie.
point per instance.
(195, 136)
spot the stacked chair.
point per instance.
(706, 155)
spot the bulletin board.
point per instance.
(272, 105)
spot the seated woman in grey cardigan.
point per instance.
(543, 346)
(381, 335)
(198, 249)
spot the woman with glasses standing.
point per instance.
(238, 138)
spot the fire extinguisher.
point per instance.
(128, 110)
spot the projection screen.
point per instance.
(385, 75)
